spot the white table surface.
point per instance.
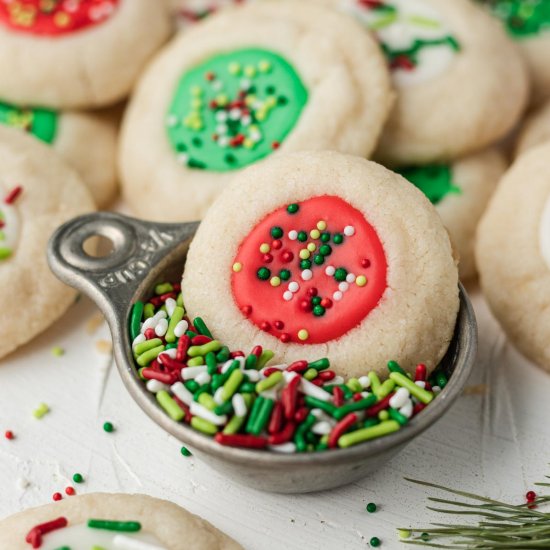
(495, 443)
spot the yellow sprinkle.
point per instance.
(196, 103)
(314, 234)
(196, 91)
(270, 102)
(237, 266)
(361, 280)
(248, 143)
(264, 66)
(260, 115)
(321, 225)
(383, 415)
(250, 100)
(61, 19)
(42, 410)
(303, 334)
(222, 100)
(304, 254)
(234, 68)
(264, 248)
(311, 247)
(275, 281)
(197, 125)
(250, 71)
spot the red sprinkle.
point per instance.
(149, 334)
(34, 536)
(200, 340)
(241, 440)
(70, 491)
(531, 496)
(267, 258)
(338, 396)
(279, 325)
(345, 424)
(326, 375)
(301, 414)
(246, 310)
(57, 496)
(181, 350)
(297, 366)
(420, 373)
(257, 351)
(418, 407)
(276, 244)
(289, 396)
(285, 337)
(8, 434)
(270, 370)
(13, 194)
(284, 435)
(380, 406)
(184, 408)
(276, 420)
(235, 354)
(166, 378)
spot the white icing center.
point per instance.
(9, 233)
(399, 30)
(544, 240)
(81, 537)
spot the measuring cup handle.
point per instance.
(137, 248)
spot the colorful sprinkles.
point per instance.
(54, 17)
(310, 271)
(9, 223)
(523, 18)
(241, 400)
(234, 109)
(41, 123)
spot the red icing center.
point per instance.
(54, 17)
(303, 295)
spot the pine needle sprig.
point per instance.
(500, 525)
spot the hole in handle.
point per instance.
(98, 246)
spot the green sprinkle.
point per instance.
(121, 526)
(147, 345)
(404, 533)
(441, 379)
(385, 389)
(223, 355)
(135, 319)
(148, 311)
(41, 411)
(340, 274)
(262, 418)
(374, 382)
(263, 273)
(203, 426)
(310, 374)
(224, 409)
(338, 238)
(108, 427)
(145, 358)
(302, 236)
(186, 452)
(234, 425)
(196, 351)
(315, 403)
(192, 386)
(375, 542)
(397, 416)
(163, 288)
(250, 362)
(177, 316)
(195, 362)
(354, 385)
(366, 434)
(420, 393)
(277, 232)
(292, 208)
(393, 366)
(232, 384)
(254, 413)
(265, 357)
(320, 364)
(77, 478)
(371, 507)
(211, 363)
(271, 381)
(206, 400)
(201, 327)
(360, 405)
(58, 351)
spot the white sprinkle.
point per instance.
(400, 398)
(189, 373)
(330, 270)
(221, 116)
(223, 141)
(307, 274)
(180, 328)
(171, 353)
(235, 114)
(293, 235)
(343, 286)
(161, 328)
(245, 84)
(239, 406)
(203, 378)
(253, 375)
(286, 448)
(287, 296)
(293, 286)
(122, 542)
(350, 278)
(138, 340)
(155, 386)
(226, 365)
(198, 410)
(171, 120)
(337, 296)
(407, 409)
(312, 390)
(364, 381)
(288, 376)
(170, 306)
(365, 394)
(255, 136)
(182, 158)
(321, 428)
(436, 389)
(182, 393)
(221, 129)
(218, 395)
(349, 230)
(217, 85)
(337, 380)
(271, 393)
(420, 384)
(246, 120)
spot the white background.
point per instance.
(495, 442)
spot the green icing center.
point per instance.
(523, 18)
(42, 123)
(435, 181)
(234, 109)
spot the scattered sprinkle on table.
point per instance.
(57, 496)
(186, 452)
(241, 401)
(104, 346)
(70, 491)
(77, 478)
(371, 507)
(108, 427)
(41, 411)
(375, 542)
(58, 351)
(8, 434)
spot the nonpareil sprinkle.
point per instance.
(241, 400)
(108, 427)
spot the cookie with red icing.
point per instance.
(321, 253)
(252, 81)
(460, 80)
(76, 53)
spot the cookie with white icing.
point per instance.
(267, 77)
(461, 82)
(87, 141)
(460, 192)
(528, 24)
(330, 255)
(77, 53)
(513, 254)
(39, 192)
(535, 129)
(113, 522)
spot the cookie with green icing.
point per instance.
(246, 84)
(86, 141)
(448, 61)
(460, 191)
